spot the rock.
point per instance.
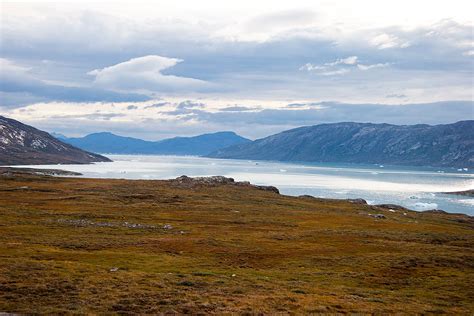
(378, 216)
(306, 196)
(392, 206)
(188, 182)
(114, 269)
(357, 201)
(267, 188)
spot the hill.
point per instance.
(198, 145)
(22, 144)
(450, 145)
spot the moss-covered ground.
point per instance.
(71, 245)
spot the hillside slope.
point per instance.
(22, 144)
(450, 145)
(198, 145)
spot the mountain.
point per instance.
(197, 145)
(21, 144)
(450, 145)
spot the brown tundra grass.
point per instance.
(71, 245)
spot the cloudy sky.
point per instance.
(156, 69)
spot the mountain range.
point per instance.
(22, 144)
(198, 145)
(449, 145)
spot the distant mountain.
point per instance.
(450, 145)
(198, 145)
(22, 144)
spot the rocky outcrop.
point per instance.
(21, 144)
(188, 182)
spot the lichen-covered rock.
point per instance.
(189, 182)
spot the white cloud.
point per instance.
(340, 66)
(144, 74)
(351, 60)
(384, 41)
(368, 67)
(469, 53)
(335, 72)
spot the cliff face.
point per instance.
(450, 145)
(21, 144)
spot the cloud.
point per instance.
(396, 96)
(340, 66)
(233, 64)
(19, 86)
(237, 109)
(331, 112)
(351, 60)
(188, 104)
(263, 27)
(155, 123)
(368, 67)
(384, 41)
(157, 105)
(144, 74)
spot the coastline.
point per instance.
(186, 181)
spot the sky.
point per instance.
(158, 69)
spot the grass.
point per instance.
(230, 250)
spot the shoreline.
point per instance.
(220, 180)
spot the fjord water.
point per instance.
(414, 188)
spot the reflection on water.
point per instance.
(415, 188)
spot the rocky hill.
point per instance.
(21, 144)
(450, 145)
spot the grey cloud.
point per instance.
(157, 105)
(21, 88)
(434, 59)
(300, 105)
(189, 105)
(256, 124)
(429, 113)
(93, 116)
(396, 96)
(237, 109)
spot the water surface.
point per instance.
(414, 188)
